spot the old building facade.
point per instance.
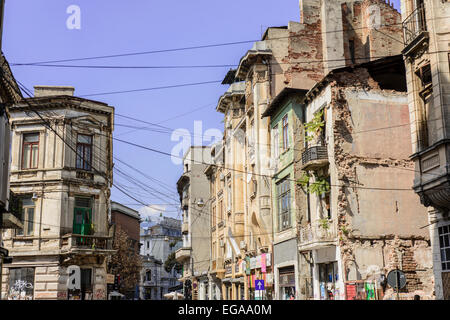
(427, 41)
(226, 176)
(62, 170)
(364, 218)
(9, 216)
(158, 239)
(329, 35)
(286, 114)
(194, 189)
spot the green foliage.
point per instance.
(324, 223)
(315, 126)
(304, 180)
(171, 263)
(345, 230)
(320, 186)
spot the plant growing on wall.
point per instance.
(345, 230)
(319, 186)
(314, 127)
(304, 180)
(324, 223)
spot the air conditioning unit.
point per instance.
(222, 243)
(243, 245)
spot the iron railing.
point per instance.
(314, 153)
(414, 25)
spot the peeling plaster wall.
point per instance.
(367, 135)
(371, 150)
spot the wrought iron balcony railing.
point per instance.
(315, 155)
(414, 25)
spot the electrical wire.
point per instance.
(207, 45)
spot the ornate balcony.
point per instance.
(318, 234)
(314, 157)
(414, 30)
(182, 254)
(89, 244)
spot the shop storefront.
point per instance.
(328, 282)
(260, 268)
(286, 278)
(286, 270)
(328, 277)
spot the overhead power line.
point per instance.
(204, 46)
(153, 88)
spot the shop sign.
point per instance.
(247, 265)
(228, 269)
(252, 263)
(263, 263)
(258, 262)
(110, 278)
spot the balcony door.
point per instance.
(82, 216)
(82, 221)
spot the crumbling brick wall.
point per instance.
(361, 248)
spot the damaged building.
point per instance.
(363, 219)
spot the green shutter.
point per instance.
(82, 219)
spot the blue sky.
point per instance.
(36, 31)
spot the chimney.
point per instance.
(47, 91)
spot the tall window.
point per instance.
(214, 250)
(444, 244)
(28, 217)
(84, 152)
(229, 195)
(213, 215)
(220, 210)
(30, 151)
(285, 132)
(284, 204)
(275, 142)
